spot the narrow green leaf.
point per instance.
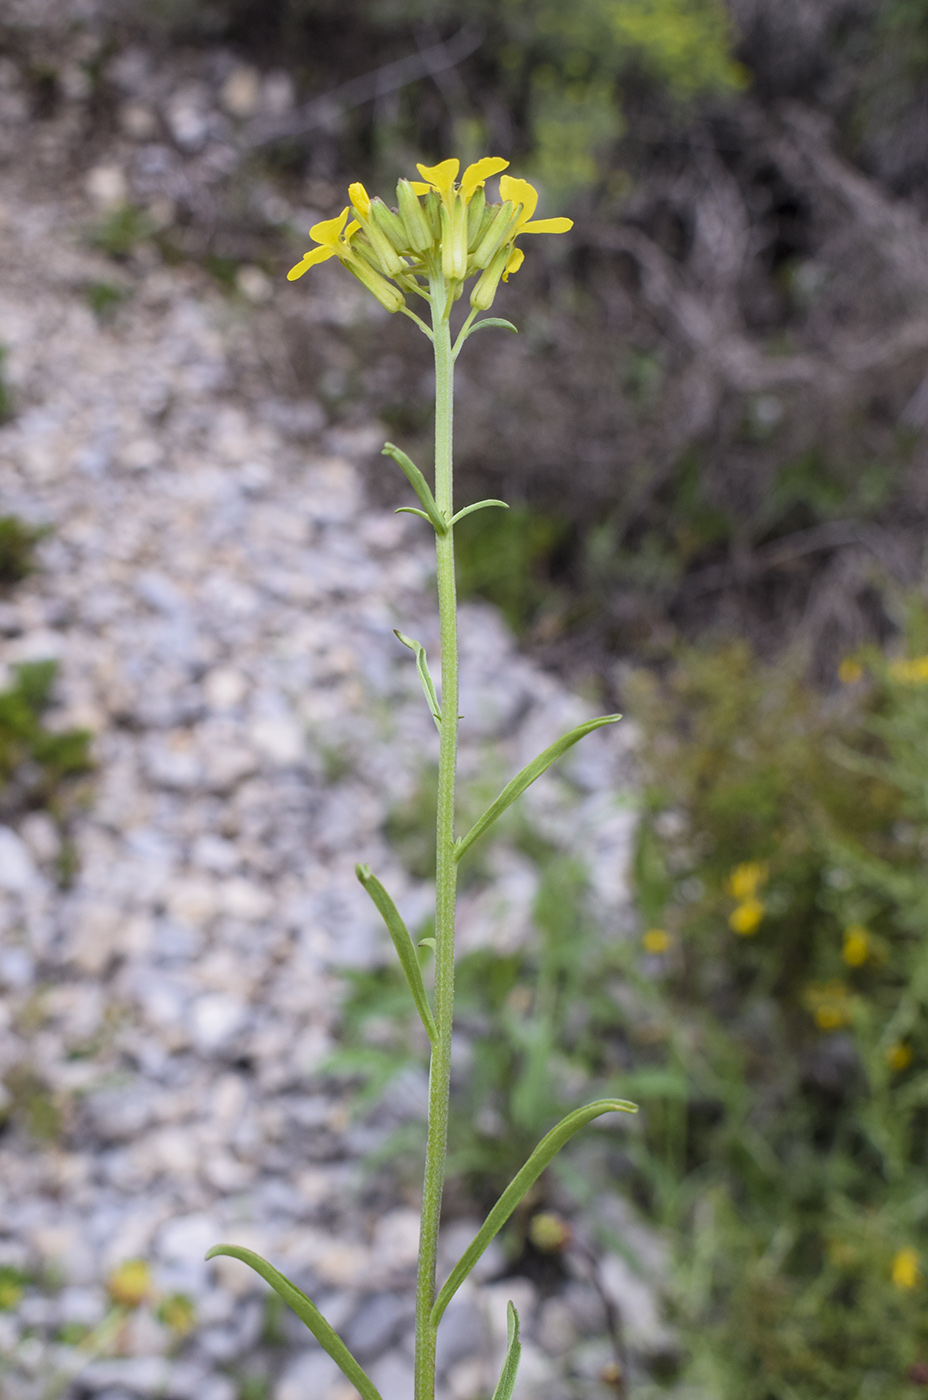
(546, 1150)
(419, 484)
(493, 321)
(425, 676)
(480, 505)
(402, 942)
(527, 776)
(507, 1378)
(308, 1313)
(412, 510)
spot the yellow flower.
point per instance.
(913, 671)
(906, 1272)
(521, 192)
(442, 177)
(745, 880)
(899, 1056)
(850, 671)
(745, 918)
(451, 235)
(332, 242)
(130, 1284)
(856, 948)
(830, 1003)
(656, 940)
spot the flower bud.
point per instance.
(433, 205)
(484, 289)
(390, 225)
(496, 234)
(454, 241)
(418, 233)
(475, 208)
(388, 295)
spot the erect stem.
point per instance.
(446, 867)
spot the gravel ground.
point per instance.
(221, 600)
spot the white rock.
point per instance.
(106, 185)
(17, 873)
(240, 94)
(214, 1019)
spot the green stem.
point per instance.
(446, 866)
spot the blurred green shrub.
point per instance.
(37, 763)
(17, 548)
(780, 872)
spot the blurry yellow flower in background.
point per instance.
(746, 879)
(850, 671)
(856, 948)
(656, 940)
(830, 1003)
(899, 1056)
(745, 918)
(130, 1284)
(911, 671)
(906, 1272)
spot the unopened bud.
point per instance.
(415, 223)
(433, 206)
(388, 295)
(475, 234)
(484, 289)
(454, 241)
(495, 235)
(386, 254)
(475, 210)
(389, 224)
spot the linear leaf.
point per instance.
(546, 1150)
(413, 510)
(479, 505)
(402, 942)
(425, 676)
(494, 321)
(507, 1378)
(527, 776)
(308, 1313)
(419, 484)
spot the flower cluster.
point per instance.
(441, 230)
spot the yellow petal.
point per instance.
(418, 187)
(514, 263)
(308, 260)
(360, 198)
(477, 174)
(441, 177)
(520, 192)
(351, 230)
(328, 231)
(547, 226)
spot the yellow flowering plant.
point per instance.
(442, 234)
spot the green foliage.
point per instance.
(39, 759)
(12, 1284)
(31, 1103)
(121, 231)
(781, 866)
(540, 1023)
(17, 547)
(104, 299)
(506, 557)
